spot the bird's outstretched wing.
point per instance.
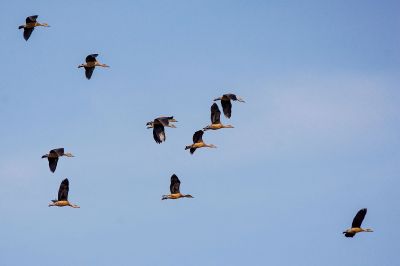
(31, 19)
(175, 184)
(358, 219)
(198, 136)
(89, 72)
(52, 163)
(27, 33)
(158, 133)
(91, 58)
(63, 191)
(215, 114)
(58, 151)
(226, 107)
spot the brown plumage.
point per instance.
(62, 199)
(29, 26)
(175, 190)
(226, 103)
(215, 119)
(53, 156)
(91, 63)
(356, 225)
(198, 142)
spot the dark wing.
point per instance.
(358, 219)
(63, 191)
(349, 234)
(31, 19)
(89, 72)
(175, 183)
(215, 114)
(27, 33)
(91, 58)
(192, 150)
(227, 107)
(198, 136)
(52, 163)
(163, 120)
(59, 151)
(158, 132)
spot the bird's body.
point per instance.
(29, 26)
(198, 142)
(53, 156)
(62, 199)
(91, 63)
(216, 119)
(158, 126)
(175, 190)
(356, 225)
(226, 103)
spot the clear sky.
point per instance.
(316, 140)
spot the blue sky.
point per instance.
(316, 140)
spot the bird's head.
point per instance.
(240, 99)
(68, 154)
(212, 146)
(45, 25)
(45, 156)
(81, 65)
(188, 196)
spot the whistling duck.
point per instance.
(30, 25)
(174, 188)
(53, 155)
(198, 142)
(62, 199)
(226, 103)
(91, 63)
(356, 225)
(215, 119)
(158, 127)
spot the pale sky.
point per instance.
(316, 140)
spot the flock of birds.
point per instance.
(158, 125)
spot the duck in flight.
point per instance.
(356, 225)
(198, 142)
(215, 119)
(53, 156)
(158, 126)
(29, 26)
(62, 199)
(91, 63)
(226, 103)
(174, 188)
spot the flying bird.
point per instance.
(166, 119)
(215, 119)
(158, 127)
(90, 64)
(29, 26)
(198, 142)
(174, 188)
(62, 199)
(53, 156)
(356, 225)
(226, 103)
